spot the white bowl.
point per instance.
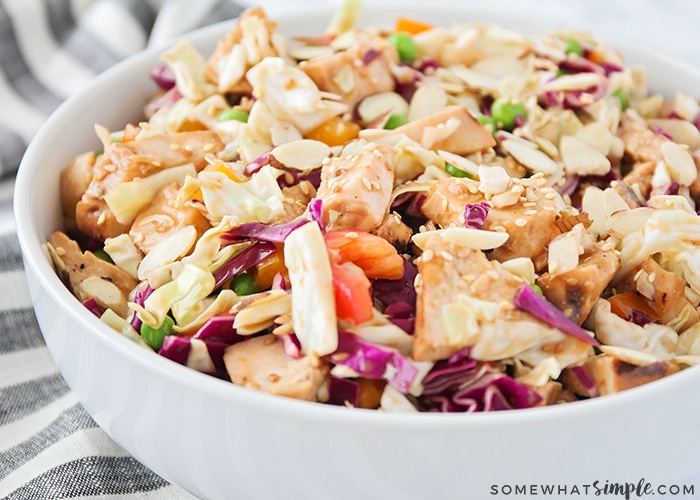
(222, 441)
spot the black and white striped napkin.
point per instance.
(50, 49)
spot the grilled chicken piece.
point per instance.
(641, 143)
(464, 299)
(124, 162)
(529, 223)
(612, 375)
(356, 190)
(393, 230)
(88, 276)
(665, 292)
(260, 363)
(454, 129)
(162, 217)
(75, 179)
(227, 66)
(640, 175)
(355, 73)
(575, 292)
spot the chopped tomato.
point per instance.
(623, 304)
(353, 300)
(411, 26)
(374, 255)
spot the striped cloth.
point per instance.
(49, 49)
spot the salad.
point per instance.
(413, 218)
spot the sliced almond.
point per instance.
(478, 239)
(631, 356)
(306, 52)
(253, 316)
(474, 79)
(581, 158)
(302, 155)
(427, 100)
(597, 136)
(682, 131)
(374, 106)
(679, 163)
(529, 157)
(105, 293)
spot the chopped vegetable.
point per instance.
(505, 111)
(395, 121)
(405, 45)
(154, 336)
(244, 284)
(457, 172)
(233, 114)
(411, 26)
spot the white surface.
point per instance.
(222, 441)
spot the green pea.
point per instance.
(154, 336)
(487, 121)
(537, 288)
(103, 255)
(623, 97)
(395, 121)
(233, 114)
(405, 45)
(573, 47)
(504, 111)
(456, 171)
(244, 284)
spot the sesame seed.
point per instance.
(445, 204)
(60, 251)
(208, 147)
(175, 146)
(102, 219)
(352, 235)
(468, 278)
(473, 189)
(550, 196)
(537, 175)
(550, 209)
(188, 148)
(652, 277)
(637, 275)
(499, 229)
(273, 377)
(376, 186)
(529, 204)
(530, 212)
(427, 255)
(447, 256)
(110, 167)
(367, 184)
(493, 274)
(521, 222)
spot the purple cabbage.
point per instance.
(219, 329)
(165, 100)
(245, 260)
(585, 380)
(92, 306)
(463, 384)
(388, 292)
(274, 233)
(569, 186)
(315, 208)
(178, 349)
(475, 214)
(576, 99)
(257, 164)
(373, 361)
(402, 315)
(343, 391)
(528, 300)
(409, 204)
(142, 293)
(659, 131)
(370, 56)
(639, 318)
(163, 76)
(291, 345)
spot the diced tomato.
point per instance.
(411, 26)
(623, 304)
(353, 300)
(374, 255)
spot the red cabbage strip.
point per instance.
(92, 306)
(373, 361)
(162, 76)
(315, 208)
(219, 329)
(528, 300)
(291, 345)
(344, 392)
(140, 296)
(275, 233)
(257, 164)
(463, 384)
(178, 349)
(402, 290)
(585, 380)
(245, 260)
(475, 214)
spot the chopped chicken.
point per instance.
(356, 190)
(454, 130)
(529, 223)
(75, 266)
(393, 230)
(640, 176)
(75, 179)
(576, 291)
(665, 292)
(463, 300)
(641, 143)
(163, 217)
(123, 162)
(612, 375)
(355, 73)
(245, 44)
(261, 363)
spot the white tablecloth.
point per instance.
(49, 446)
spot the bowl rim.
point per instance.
(37, 263)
